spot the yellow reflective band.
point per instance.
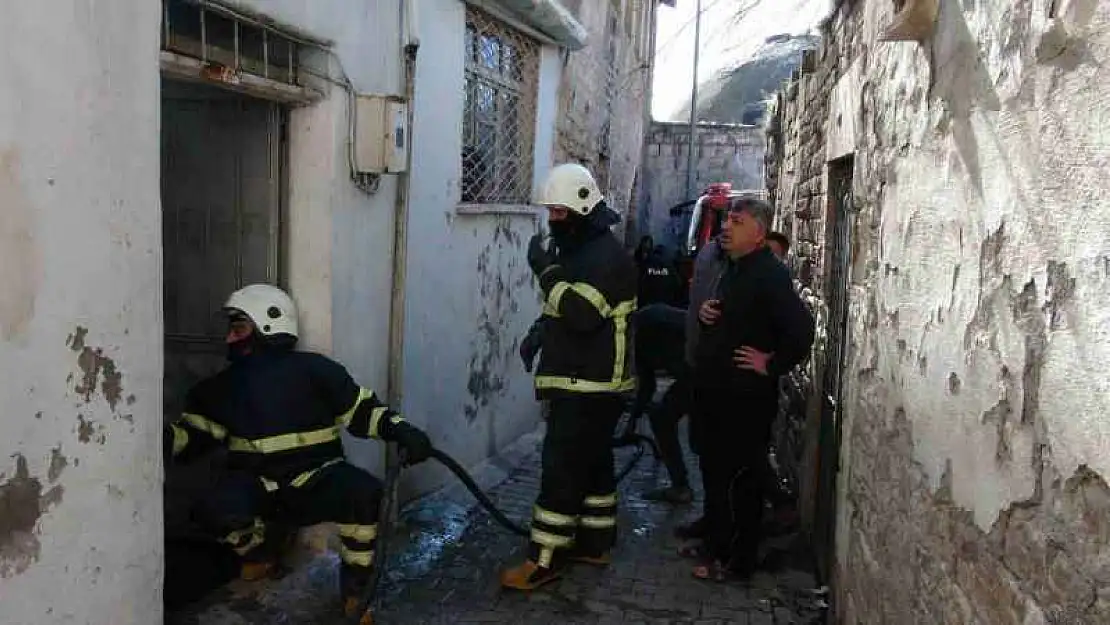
(547, 554)
(547, 539)
(269, 484)
(584, 386)
(284, 442)
(203, 424)
(552, 518)
(361, 533)
(180, 439)
(376, 420)
(583, 290)
(598, 522)
(620, 327)
(256, 532)
(303, 478)
(358, 558)
(601, 501)
(345, 418)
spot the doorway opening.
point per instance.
(838, 237)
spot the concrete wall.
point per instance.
(724, 153)
(973, 484)
(470, 296)
(338, 238)
(80, 315)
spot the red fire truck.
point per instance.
(706, 215)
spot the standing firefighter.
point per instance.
(589, 289)
(279, 413)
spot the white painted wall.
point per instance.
(470, 296)
(339, 239)
(1001, 188)
(80, 314)
(468, 291)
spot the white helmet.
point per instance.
(270, 308)
(570, 185)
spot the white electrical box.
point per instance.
(381, 134)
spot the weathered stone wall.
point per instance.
(601, 99)
(972, 484)
(725, 153)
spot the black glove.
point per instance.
(413, 441)
(530, 346)
(539, 258)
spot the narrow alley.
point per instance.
(446, 553)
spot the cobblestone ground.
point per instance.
(446, 555)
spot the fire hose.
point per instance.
(627, 438)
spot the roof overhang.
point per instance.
(547, 17)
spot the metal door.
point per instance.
(221, 209)
(839, 245)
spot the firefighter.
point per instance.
(279, 413)
(589, 290)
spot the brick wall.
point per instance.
(724, 153)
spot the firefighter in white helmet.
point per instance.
(589, 289)
(279, 413)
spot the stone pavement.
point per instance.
(446, 553)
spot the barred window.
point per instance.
(499, 119)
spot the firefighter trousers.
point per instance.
(577, 504)
(255, 516)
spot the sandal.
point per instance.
(712, 570)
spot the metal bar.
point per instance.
(165, 23)
(690, 173)
(203, 37)
(236, 28)
(265, 56)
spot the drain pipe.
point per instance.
(410, 43)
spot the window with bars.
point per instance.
(499, 118)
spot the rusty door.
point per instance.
(221, 207)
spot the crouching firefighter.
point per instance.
(589, 291)
(279, 414)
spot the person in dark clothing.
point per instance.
(589, 288)
(659, 347)
(279, 413)
(754, 330)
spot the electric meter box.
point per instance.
(381, 134)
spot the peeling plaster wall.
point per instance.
(470, 296)
(976, 444)
(80, 308)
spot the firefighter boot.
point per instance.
(603, 558)
(350, 609)
(528, 576)
(254, 571)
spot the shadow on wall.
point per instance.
(958, 77)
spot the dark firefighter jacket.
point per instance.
(589, 294)
(759, 309)
(279, 413)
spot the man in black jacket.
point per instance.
(279, 413)
(589, 289)
(754, 330)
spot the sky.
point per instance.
(725, 42)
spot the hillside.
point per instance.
(739, 95)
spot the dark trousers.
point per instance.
(254, 516)
(736, 429)
(674, 405)
(577, 504)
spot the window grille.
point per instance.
(499, 117)
(220, 40)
